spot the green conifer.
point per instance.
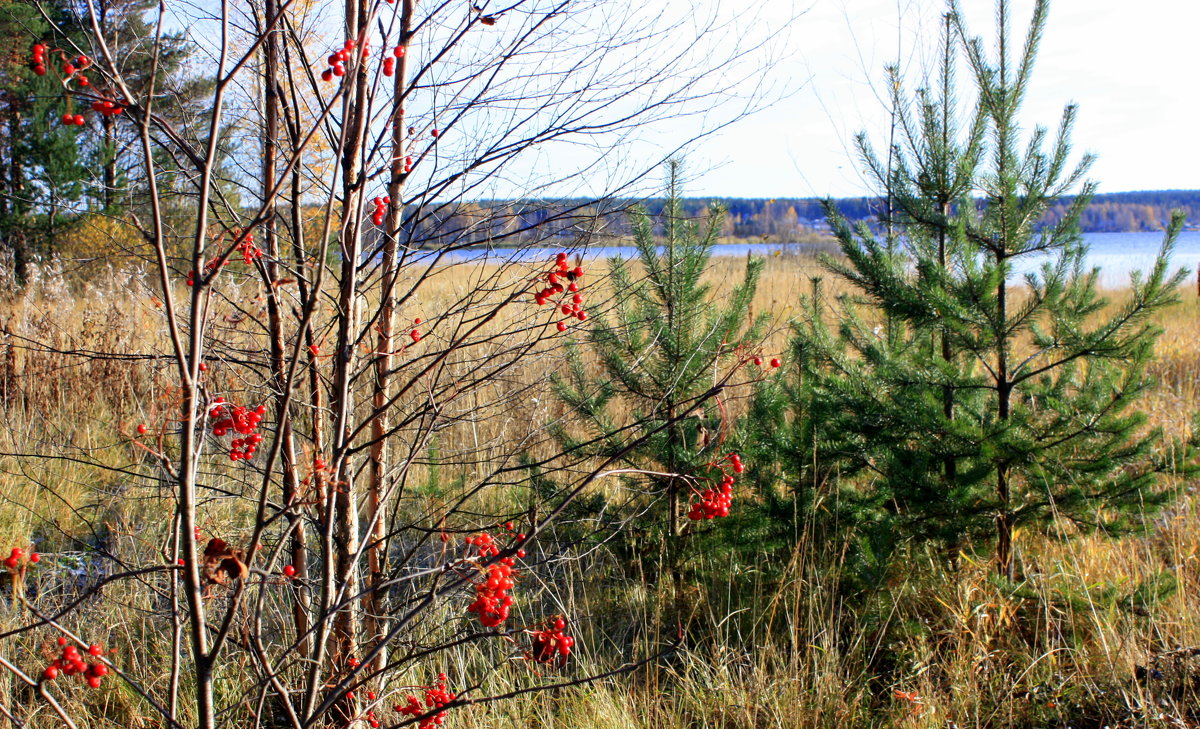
(660, 354)
(977, 380)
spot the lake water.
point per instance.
(1117, 254)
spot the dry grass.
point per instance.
(775, 648)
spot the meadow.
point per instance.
(1097, 631)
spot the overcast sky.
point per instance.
(1131, 66)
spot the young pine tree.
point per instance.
(1003, 389)
(664, 352)
(839, 417)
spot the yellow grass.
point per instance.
(775, 651)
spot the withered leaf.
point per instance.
(223, 564)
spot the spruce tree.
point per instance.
(977, 379)
(660, 356)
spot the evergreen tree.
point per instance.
(969, 403)
(43, 170)
(180, 98)
(48, 164)
(814, 431)
(661, 351)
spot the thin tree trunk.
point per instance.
(108, 127)
(346, 625)
(374, 625)
(1004, 557)
(291, 484)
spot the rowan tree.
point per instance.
(311, 360)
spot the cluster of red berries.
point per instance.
(435, 698)
(492, 599)
(70, 69)
(416, 333)
(715, 501)
(71, 663)
(249, 251)
(552, 643)
(775, 362)
(241, 420)
(107, 107)
(14, 560)
(38, 60)
(371, 719)
(74, 70)
(573, 276)
(389, 62)
(338, 59)
(381, 206)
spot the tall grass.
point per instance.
(766, 642)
